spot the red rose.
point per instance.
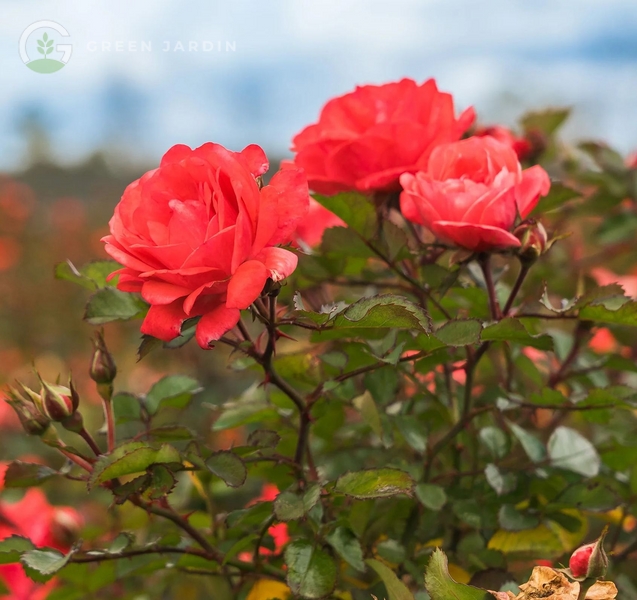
(472, 193)
(520, 145)
(366, 139)
(197, 237)
(311, 229)
(45, 525)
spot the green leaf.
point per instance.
(441, 586)
(291, 505)
(495, 440)
(512, 519)
(347, 546)
(171, 433)
(532, 446)
(462, 332)
(625, 315)
(569, 450)
(311, 570)
(21, 474)
(91, 276)
(161, 482)
(546, 121)
(396, 589)
(386, 310)
(556, 198)
(356, 210)
(374, 483)
(502, 484)
(513, 330)
(610, 296)
(40, 50)
(12, 548)
(110, 304)
(174, 391)
(40, 43)
(395, 241)
(126, 408)
(41, 565)
(414, 432)
(122, 541)
(367, 407)
(229, 467)
(131, 458)
(264, 438)
(430, 495)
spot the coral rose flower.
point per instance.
(472, 193)
(197, 237)
(367, 138)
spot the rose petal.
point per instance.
(247, 284)
(164, 321)
(214, 324)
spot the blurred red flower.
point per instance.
(472, 193)
(45, 525)
(367, 138)
(198, 237)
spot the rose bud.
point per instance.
(589, 561)
(533, 240)
(32, 420)
(103, 368)
(57, 401)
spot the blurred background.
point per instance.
(147, 74)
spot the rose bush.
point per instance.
(198, 238)
(472, 192)
(367, 138)
(396, 395)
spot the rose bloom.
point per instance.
(367, 138)
(472, 192)
(521, 146)
(45, 525)
(197, 237)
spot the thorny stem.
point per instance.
(80, 462)
(485, 265)
(110, 424)
(88, 438)
(524, 270)
(416, 286)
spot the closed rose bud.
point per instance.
(102, 369)
(32, 420)
(533, 240)
(589, 561)
(58, 401)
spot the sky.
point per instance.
(254, 71)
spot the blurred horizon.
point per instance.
(272, 66)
